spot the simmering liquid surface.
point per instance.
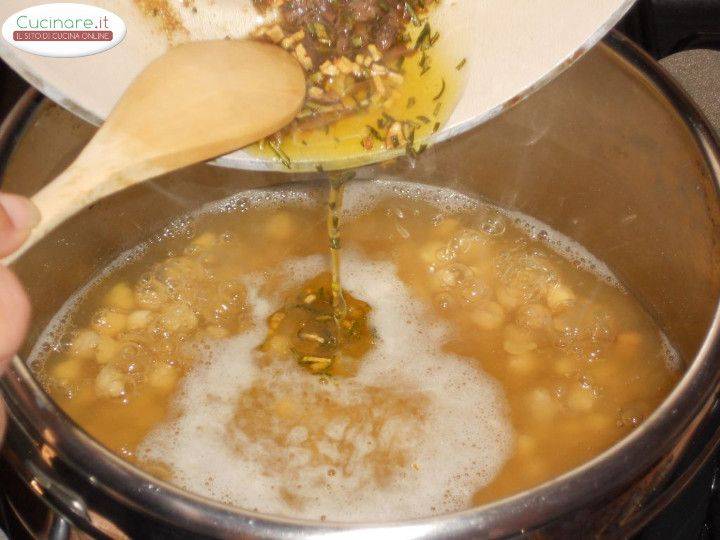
(484, 354)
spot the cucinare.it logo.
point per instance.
(64, 30)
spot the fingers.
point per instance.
(18, 216)
(14, 315)
(14, 320)
(3, 420)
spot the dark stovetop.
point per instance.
(661, 27)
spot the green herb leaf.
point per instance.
(411, 13)
(423, 38)
(442, 91)
(374, 133)
(280, 153)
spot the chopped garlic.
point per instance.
(275, 34)
(329, 69)
(374, 52)
(345, 65)
(316, 93)
(303, 57)
(289, 42)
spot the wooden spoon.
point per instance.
(196, 102)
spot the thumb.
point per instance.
(18, 216)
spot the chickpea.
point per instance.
(121, 297)
(581, 400)
(446, 227)
(107, 349)
(109, 322)
(163, 378)
(151, 294)
(560, 298)
(488, 316)
(518, 341)
(140, 319)
(522, 364)
(542, 405)
(179, 317)
(110, 382)
(429, 251)
(84, 343)
(509, 298)
(473, 245)
(535, 317)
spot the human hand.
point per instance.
(18, 216)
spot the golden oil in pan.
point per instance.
(425, 98)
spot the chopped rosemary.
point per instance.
(424, 119)
(423, 37)
(411, 102)
(411, 13)
(442, 91)
(280, 153)
(388, 118)
(461, 64)
(375, 133)
(424, 64)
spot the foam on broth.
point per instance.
(399, 462)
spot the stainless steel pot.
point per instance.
(611, 154)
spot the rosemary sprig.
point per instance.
(280, 153)
(442, 91)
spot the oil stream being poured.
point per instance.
(333, 225)
(325, 327)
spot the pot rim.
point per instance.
(609, 472)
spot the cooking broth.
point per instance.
(484, 355)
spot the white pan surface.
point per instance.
(511, 46)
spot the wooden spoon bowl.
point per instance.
(196, 102)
